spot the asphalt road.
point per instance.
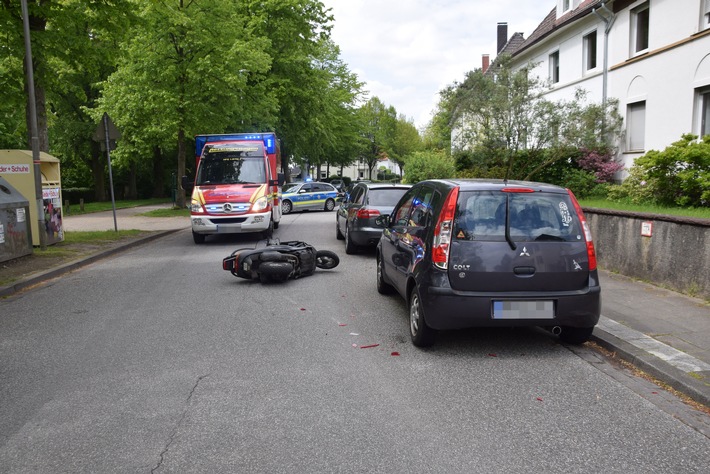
(156, 360)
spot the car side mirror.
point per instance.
(383, 221)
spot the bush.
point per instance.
(423, 165)
(600, 163)
(678, 175)
(73, 195)
(582, 183)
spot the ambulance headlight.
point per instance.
(260, 204)
(196, 207)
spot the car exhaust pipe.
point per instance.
(556, 330)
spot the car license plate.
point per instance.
(523, 310)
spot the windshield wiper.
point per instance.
(549, 237)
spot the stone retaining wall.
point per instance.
(672, 252)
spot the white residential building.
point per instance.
(651, 55)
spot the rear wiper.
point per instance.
(549, 237)
(507, 223)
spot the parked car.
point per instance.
(338, 184)
(474, 253)
(311, 195)
(355, 219)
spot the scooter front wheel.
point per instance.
(326, 259)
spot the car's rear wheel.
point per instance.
(575, 336)
(286, 207)
(329, 204)
(383, 287)
(350, 247)
(422, 335)
(198, 238)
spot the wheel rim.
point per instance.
(379, 272)
(414, 316)
(330, 205)
(286, 207)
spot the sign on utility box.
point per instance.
(17, 167)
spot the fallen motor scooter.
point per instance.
(278, 261)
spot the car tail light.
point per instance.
(591, 254)
(365, 213)
(443, 229)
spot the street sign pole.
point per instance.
(33, 125)
(110, 173)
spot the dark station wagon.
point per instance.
(355, 221)
(477, 253)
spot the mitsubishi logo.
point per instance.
(524, 253)
(227, 207)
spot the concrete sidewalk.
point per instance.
(664, 333)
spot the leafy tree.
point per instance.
(501, 113)
(406, 141)
(437, 133)
(73, 48)
(184, 72)
(313, 88)
(332, 131)
(378, 124)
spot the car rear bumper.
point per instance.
(365, 236)
(206, 224)
(445, 308)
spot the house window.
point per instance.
(636, 126)
(639, 28)
(555, 67)
(706, 14)
(704, 111)
(565, 5)
(590, 51)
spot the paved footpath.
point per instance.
(664, 333)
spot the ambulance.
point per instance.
(237, 186)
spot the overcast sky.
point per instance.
(406, 51)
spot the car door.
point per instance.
(391, 243)
(302, 197)
(413, 242)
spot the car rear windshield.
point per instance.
(481, 216)
(385, 197)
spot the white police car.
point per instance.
(312, 195)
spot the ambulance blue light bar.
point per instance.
(269, 140)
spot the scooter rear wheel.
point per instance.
(275, 271)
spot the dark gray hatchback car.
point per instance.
(356, 216)
(475, 253)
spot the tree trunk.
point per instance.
(98, 171)
(132, 185)
(158, 176)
